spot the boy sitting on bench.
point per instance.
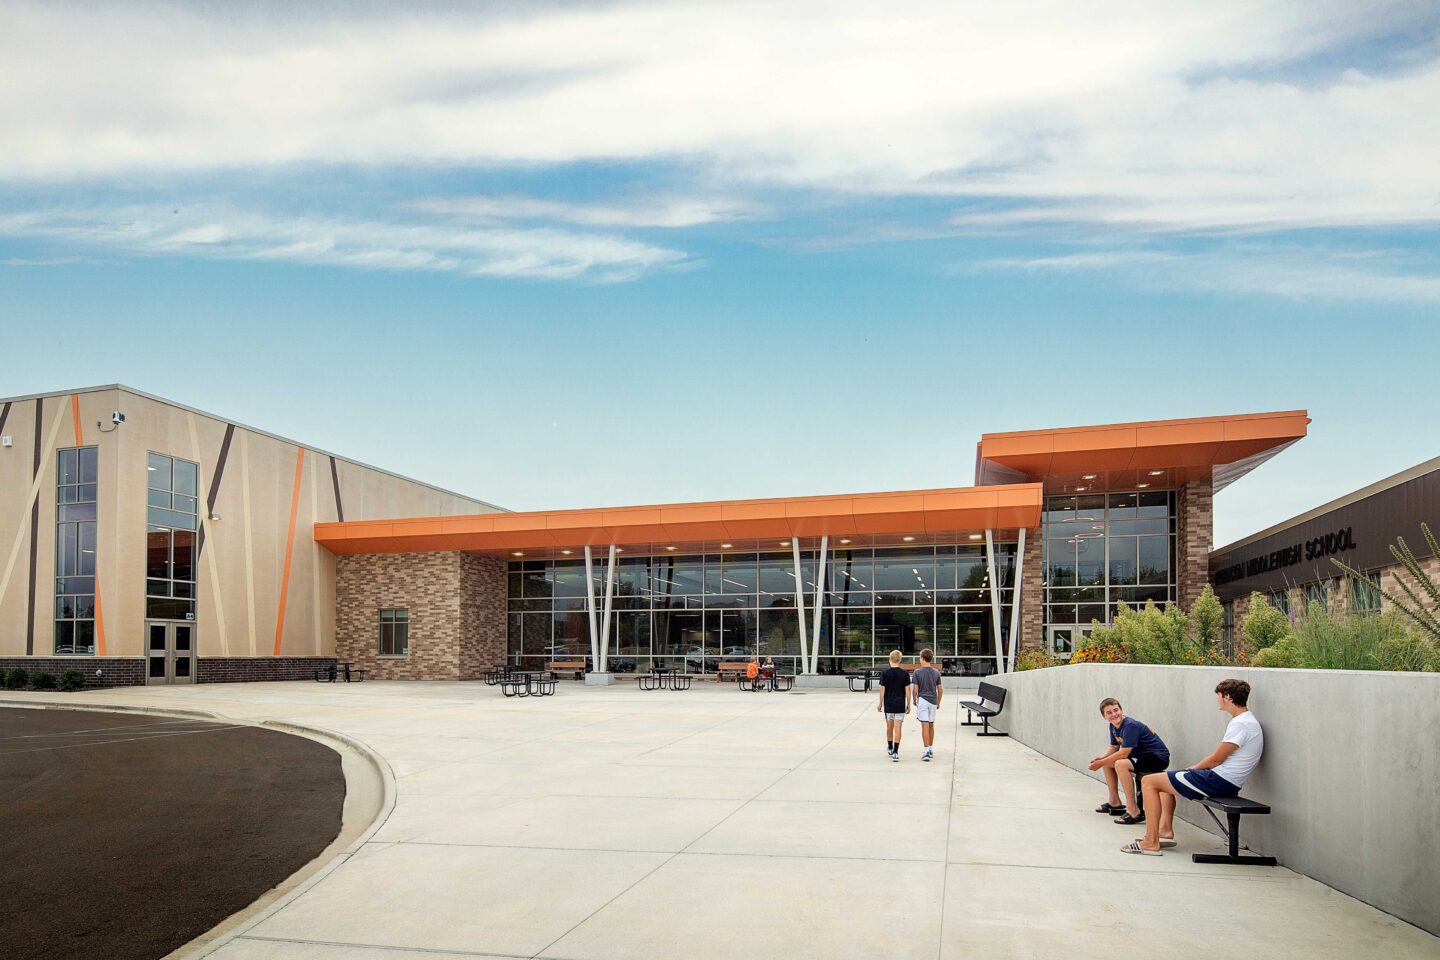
(1221, 774)
(1135, 750)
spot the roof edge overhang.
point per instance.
(958, 510)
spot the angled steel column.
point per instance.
(590, 608)
(1015, 601)
(994, 597)
(603, 664)
(819, 605)
(800, 605)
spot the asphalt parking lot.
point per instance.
(124, 836)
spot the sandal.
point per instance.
(1165, 842)
(1110, 809)
(1134, 847)
(1130, 821)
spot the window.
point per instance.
(1105, 549)
(1365, 595)
(394, 632)
(1317, 592)
(1280, 600)
(172, 517)
(75, 545)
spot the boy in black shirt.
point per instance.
(894, 683)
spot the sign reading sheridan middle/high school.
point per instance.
(1312, 549)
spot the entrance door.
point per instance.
(1063, 639)
(169, 651)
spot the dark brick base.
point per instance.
(114, 671)
(257, 669)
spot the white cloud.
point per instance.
(543, 253)
(668, 212)
(1124, 113)
(1294, 273)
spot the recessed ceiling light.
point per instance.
(619, 549)
(1156, 473)
(1088, 476)
(518, 553)
(726, 546)
(907, 539)
(1081, 489)
(844, 539)
(567, 552)
(1142, 486)
(669, 548)
(784, 543)
(974, 536)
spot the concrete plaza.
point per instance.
(613, 823)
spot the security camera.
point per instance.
(117, 418)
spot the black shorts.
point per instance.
(1149, 764)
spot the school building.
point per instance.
(148, 542)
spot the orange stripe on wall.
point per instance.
(289, 550)
(75, 412)
(99, 612)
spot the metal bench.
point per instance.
(989, 693)
(1235, 808)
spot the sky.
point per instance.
(557, 255)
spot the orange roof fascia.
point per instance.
(1148, 445)
(958, 508)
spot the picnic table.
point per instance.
(342, 669)
(529, 683)
(664, 677)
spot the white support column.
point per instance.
(800, 605)
(819, 605)
(590, 608)
(994, 597)
(602, 665)
(1015, 601)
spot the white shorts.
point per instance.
(925, 711)
(895, 716)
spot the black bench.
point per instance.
(1235, 808)
(989, 693)
(860, 682)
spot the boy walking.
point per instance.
(894, 683)
(925, 694)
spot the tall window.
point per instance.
(1103, 549)
(1365, 596)
(394, 632)
(172, 517)
(75, 487)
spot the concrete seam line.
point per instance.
(291, 887)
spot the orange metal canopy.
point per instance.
(957, 510)
(1158, 453)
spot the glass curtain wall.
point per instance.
(172, 517)
(693, 612)
(1107, 548)
(75, 497)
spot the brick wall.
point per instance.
(482, 614)
(258, 669)
(1032, 592)
(1194, 538)
(457, 613)
(114, 671)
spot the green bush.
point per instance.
(1327, 641)
(1155, 635)
(16, 679)
(42, 681)
(1264, 625)
(1279, 654)
(1034, 660)
(72, 680)
(1407, 651)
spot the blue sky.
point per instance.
(555, 255)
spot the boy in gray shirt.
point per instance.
(925, 694)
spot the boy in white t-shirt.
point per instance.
(1221, 774)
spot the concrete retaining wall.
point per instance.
(1351, 765)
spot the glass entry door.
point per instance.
(1063, 639)
(169, 651)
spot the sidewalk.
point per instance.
(611, 823)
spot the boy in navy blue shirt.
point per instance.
(1134, 751)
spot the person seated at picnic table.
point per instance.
(769, 669)
(752, 670)
(1134, 751)
(1222, 774)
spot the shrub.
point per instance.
(1407, 651)
(72, 680)
(1280, 654)
(1091, 651)
(1421, 603)
(1327, 641)
(1033, 659)
(1264, 625)
(16, 679)
(42, 681)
